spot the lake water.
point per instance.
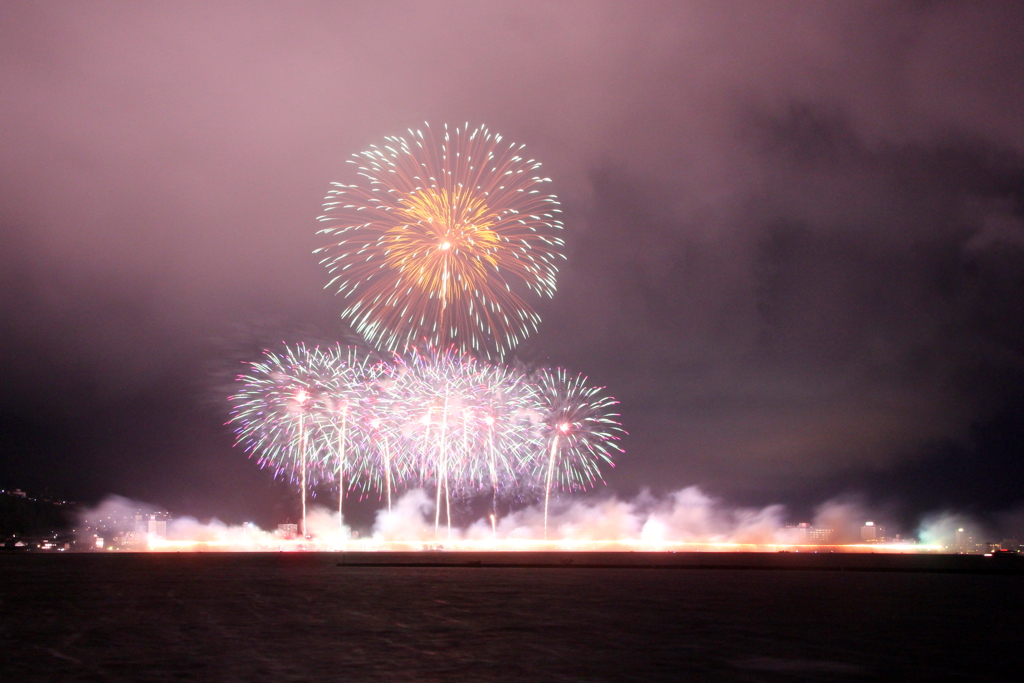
(301, 617)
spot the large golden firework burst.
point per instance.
(441, 241)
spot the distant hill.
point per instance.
(32, 517)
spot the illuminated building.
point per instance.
(156, 527)
(801, 533)
(872, 533)
(821, 536)
(964, 541)
(805, 534)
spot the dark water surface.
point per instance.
(301, 617)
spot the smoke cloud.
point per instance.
(647, 521)
(940, 528)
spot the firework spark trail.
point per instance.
(437, 237)
(578, 428)
(279, 407)
(345, 389)
(379, 425)
(442, 401)
(503, 399)
(436, 419)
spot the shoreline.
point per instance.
(935, 563)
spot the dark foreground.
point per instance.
(1001, 563)
(315, 617)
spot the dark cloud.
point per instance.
(795, 230)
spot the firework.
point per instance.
(349, 373)
(439, 244)
(439, 407)
(282, 400)
(504, 403)
(441, 240)
(379, 425)
(578, 430)
(430, 419)
(470, 426)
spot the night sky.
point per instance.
(795, 232)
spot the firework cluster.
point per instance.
(446, 421)
(436, 250)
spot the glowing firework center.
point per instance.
(435, 253)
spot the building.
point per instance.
(122, 528)
(821, 535)
(964, 541)
(805, 534)
(288, 530)
(129, 540)
(800, 534)
(872, 533)
(156, 527)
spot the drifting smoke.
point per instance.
(409, 519)
(844, 516)
(685, 517)
(112, 512)
(323, 524)
(941, 528)
(125, 522)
